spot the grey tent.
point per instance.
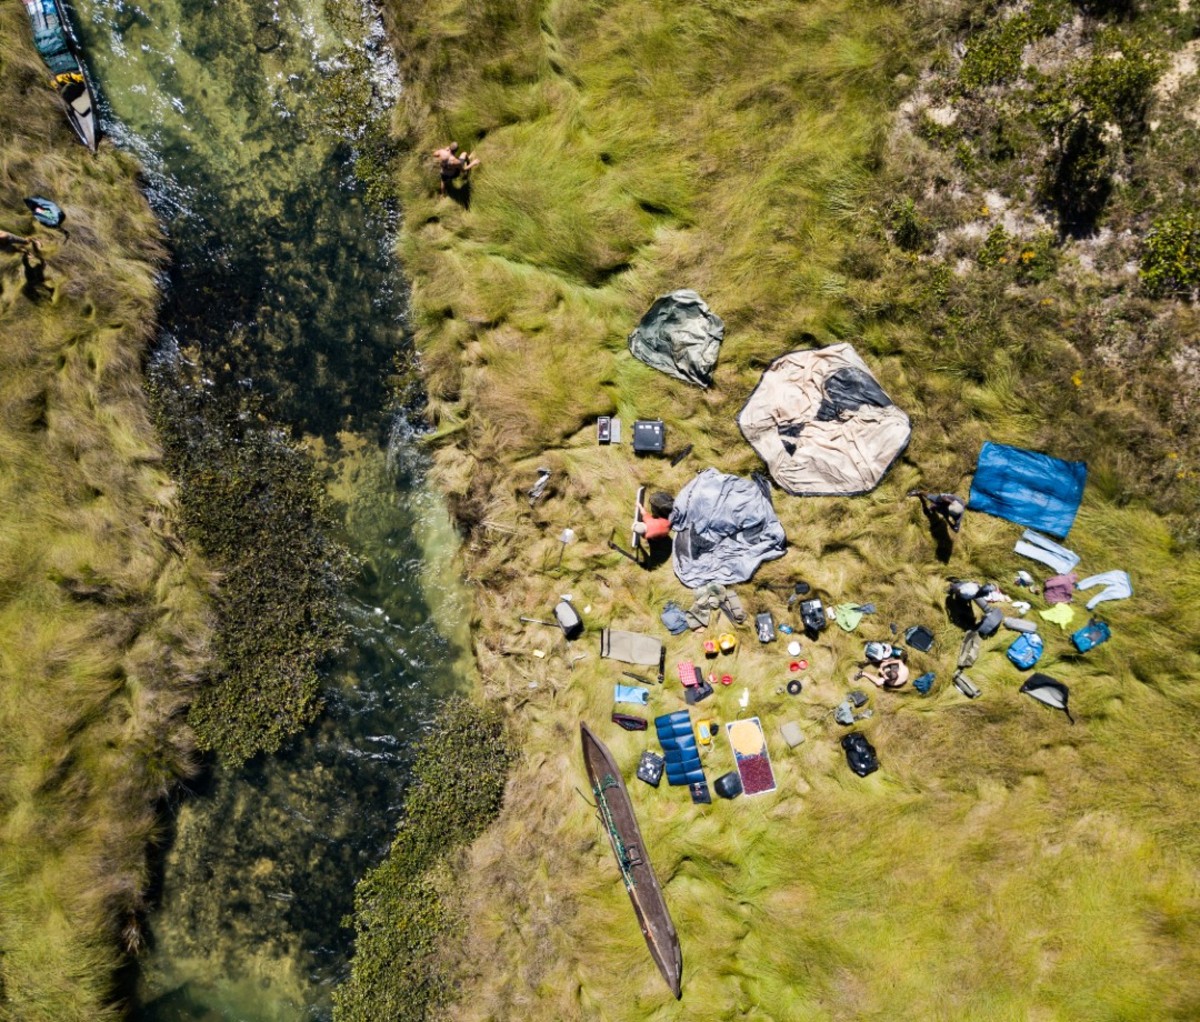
(725, 527)
(823, 424)
(680, 336)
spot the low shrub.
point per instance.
(1117, 82)
(993, 56)
(1170, 263)
(910, 230)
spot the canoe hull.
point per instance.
(54, 42)
(616, 812)
(80, 107)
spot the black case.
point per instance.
(648, 436)
(650, 768)
(812, 613)
(728, 785)
(991, 622)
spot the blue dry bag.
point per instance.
(1026, 650)
(1092, 634)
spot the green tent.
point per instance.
(681, 336)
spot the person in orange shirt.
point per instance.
(652, 528)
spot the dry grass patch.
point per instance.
(102, 624)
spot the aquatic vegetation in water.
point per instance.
(401, 907)
(251, 502)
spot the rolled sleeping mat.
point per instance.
(1019, 624)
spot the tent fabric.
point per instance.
(679, 748)
(1028, 488)
(725, 527)
(681, 336)
(823, 424)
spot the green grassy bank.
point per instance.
(821, 172)
(103, 624)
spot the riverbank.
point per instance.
(104, 621)
(1001, 863)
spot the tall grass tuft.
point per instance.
(1002, 863)
(103, 623)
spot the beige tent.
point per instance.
(823, 424)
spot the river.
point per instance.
(244, 116)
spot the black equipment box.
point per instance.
(648, 436)
(812, 613)
(650, 768)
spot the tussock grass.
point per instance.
(103, 624)
(1002, 864)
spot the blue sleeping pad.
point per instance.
(679, 748)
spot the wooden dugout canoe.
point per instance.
(616, 813)
(53, 40)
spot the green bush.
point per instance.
(1036, 261)
(994, 251)
(1116, 83)
(1170, 263)
(993, 56)
(910, 230)
(400, 911)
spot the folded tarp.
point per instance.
(682, 757)
(725, 527)
(680, 336)
(629, 647)
(823, 424)
(1028, 488)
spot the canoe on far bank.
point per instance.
(616, 813)
(54, 42)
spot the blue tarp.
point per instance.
(50, 36)
(1028, 488)
(682, 757)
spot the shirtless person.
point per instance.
(893, 673)
(17, 242)
(451, 164)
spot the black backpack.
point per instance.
(860, 753)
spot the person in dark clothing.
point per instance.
(947, 506)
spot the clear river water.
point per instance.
(244, 115)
